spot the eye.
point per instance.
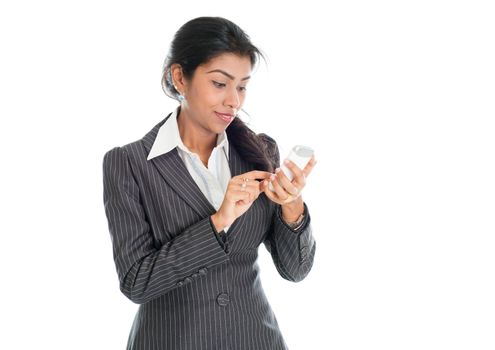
(217, 84)
(221, 85)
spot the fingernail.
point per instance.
(286, 162)
(277, 170)
(272, 177)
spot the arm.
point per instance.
(219, 231)
(292, 250)
(146, 271)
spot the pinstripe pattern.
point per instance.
(193, 292)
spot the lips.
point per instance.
(225, 116)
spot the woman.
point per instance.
(188, 205)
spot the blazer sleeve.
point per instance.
(292, 250)
(146, 271)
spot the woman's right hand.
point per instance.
(237, 200)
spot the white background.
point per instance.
(396, 98)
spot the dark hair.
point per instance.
(200, 40)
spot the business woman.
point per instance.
(188, 205)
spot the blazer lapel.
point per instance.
(175, 173)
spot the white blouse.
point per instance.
(212, 180)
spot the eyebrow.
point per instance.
(227, 74)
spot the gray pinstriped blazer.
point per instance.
(194, 291)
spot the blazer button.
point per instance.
(187, 280)
(223, 299)
(194, 275)
(180, 283)
(304, 251)
(202, 271)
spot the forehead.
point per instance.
(238, 66)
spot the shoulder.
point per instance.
(139, 148)
(267, 139)
(125, 150)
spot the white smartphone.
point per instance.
(300, 155)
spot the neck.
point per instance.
(196, 138)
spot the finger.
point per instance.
(299, 176)
(246, 180)
(254, 189)
(251, 184)
(238, 195)
(264, 186)
(255, 174)
(279, 191)
(270, 194)
(286, 183)
(311, 164)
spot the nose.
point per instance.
(232, 100)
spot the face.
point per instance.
(217, 87)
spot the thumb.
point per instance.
(263, 184)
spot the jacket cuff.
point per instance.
(302, 226)
(220, 236)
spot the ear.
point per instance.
(178, 77)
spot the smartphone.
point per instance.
(300, 155)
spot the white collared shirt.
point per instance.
(212, 181)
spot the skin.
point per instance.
(209, 92)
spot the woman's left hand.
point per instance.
(287, 191)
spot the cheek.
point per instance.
(212, 98)
(208, 95)
(198, 99)
(212, 95)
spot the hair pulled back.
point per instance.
(197, 42)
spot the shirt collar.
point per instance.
(168, 137)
